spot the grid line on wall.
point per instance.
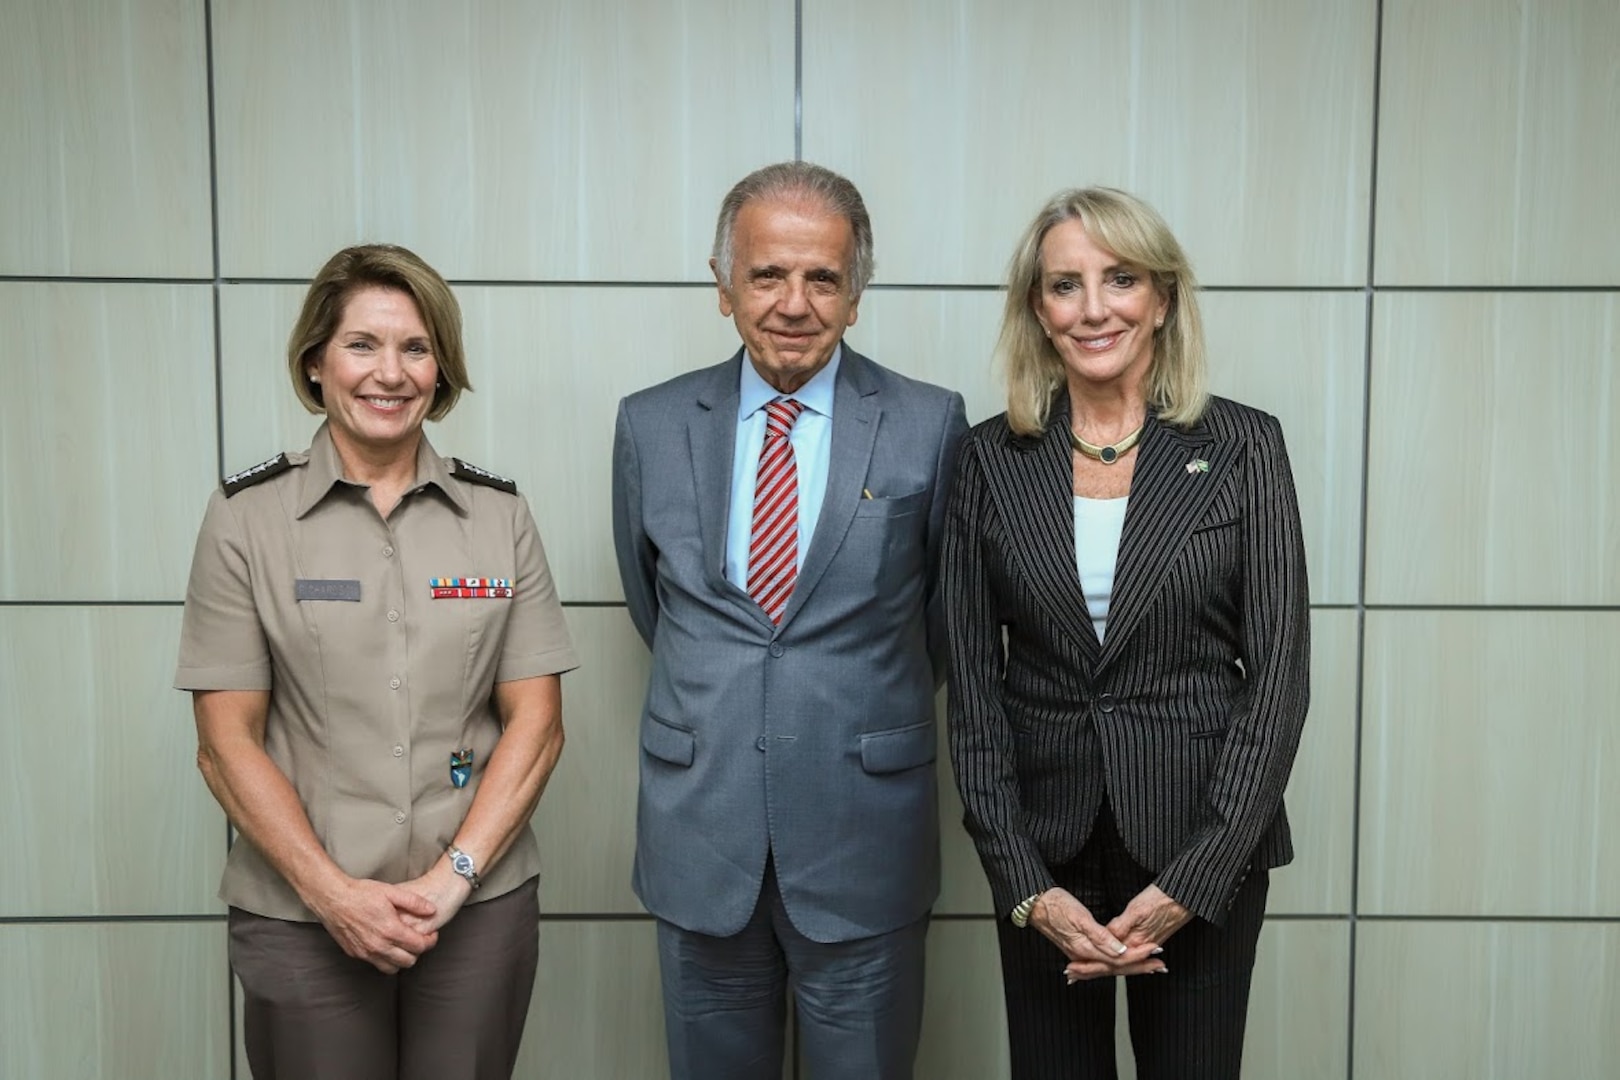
(219, 394)
(876, 286)
(1361, 553)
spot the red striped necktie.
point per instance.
(773, 543)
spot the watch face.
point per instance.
(461, 863)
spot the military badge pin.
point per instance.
(460, 767)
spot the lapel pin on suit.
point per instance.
(1197, 465)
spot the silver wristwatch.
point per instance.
(462, 863)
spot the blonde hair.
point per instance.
(1134, 231)
(390, 267)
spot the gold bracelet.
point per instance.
(1021, 913)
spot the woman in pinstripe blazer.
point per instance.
(1128, 614)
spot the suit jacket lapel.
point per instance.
(712, 438)
(856, 413)
(1032, 484)
(1167, 501)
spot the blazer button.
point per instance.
(759, 744)
(776, 648)
(1105, 702)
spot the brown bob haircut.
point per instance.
(386, 266)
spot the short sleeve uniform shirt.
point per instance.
(380, 642)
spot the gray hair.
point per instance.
(798, 180)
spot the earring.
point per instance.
(316, 379)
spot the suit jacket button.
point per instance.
(1105, 702)
(759, 744)
(776, 648)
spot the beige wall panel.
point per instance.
(1488, 750)
(1484, 1001)
(548, 378)
(88, 1002)
(1321, 792)
(104, 139)
(502, 140)
(1302, 358)
(946, 337)
(964, 1034)
(1248, 125)
(1493, 449)
(586, 822)
(1497, 143)
(597, 1009)
(99, 793)
(1298, 1028)
(107, 433)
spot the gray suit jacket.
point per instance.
(813, 740)
(1188, 717)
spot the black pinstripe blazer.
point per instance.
(1189, 716)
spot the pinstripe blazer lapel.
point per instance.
(1032, 483)
(1167, 501)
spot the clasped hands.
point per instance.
(1129, 944)
(391, 926)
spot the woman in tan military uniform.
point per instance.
(374, 644)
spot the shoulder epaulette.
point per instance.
(474, 475)
(261, 472)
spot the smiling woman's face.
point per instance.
(1099, 311)
(377, 373)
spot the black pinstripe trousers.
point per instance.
(1186, 1024)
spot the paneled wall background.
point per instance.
(1404, 215)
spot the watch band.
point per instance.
(462, 863)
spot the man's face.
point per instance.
(789, 292)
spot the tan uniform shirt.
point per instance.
(299, 587)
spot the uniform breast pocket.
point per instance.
(485, 620)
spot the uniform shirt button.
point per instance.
(776, 648)
(399, 817)
(388, 551)
(759, 744)
(1106, 703)
(399, 751)
(393, 616)
(393, 684)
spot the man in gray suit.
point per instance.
(777, 521)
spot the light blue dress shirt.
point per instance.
(812, 440)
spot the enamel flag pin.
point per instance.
(1197, 465)
(460, 767)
